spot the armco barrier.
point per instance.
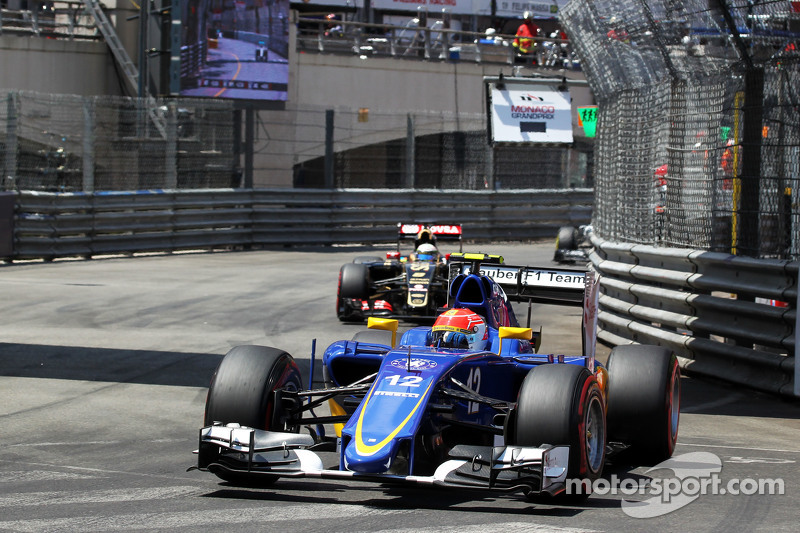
(52, 225)
(707, 307)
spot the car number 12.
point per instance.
(474, 383)
(404, 381)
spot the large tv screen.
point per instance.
(236, 49)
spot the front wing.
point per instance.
(254, 453)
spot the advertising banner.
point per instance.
(535, 112)
(332, 3)
(516, 8)
(455, 7)
(504, 8)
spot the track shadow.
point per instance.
(397, 498)
(703, 395)
(103, 364)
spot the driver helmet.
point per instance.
(460, 328)
(427, 252)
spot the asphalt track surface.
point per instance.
(104, 365)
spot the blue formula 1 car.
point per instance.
(466, 403)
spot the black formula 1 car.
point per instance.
(468, 403)
(572, 244)
(411, 287)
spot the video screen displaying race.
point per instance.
(235, 49)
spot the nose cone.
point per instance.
(375, 463)
(391, 412)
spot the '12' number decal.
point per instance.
(404, 381)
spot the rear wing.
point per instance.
(533, 284)
(468, 257)
(441, 232)
(548, 286)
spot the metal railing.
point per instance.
(52, 225)
(434, 42)
(728, 317)
(62, 20)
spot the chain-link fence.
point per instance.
(423, 149)
(71, 143)
(698, 139)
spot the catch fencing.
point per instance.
(698, 139)
(54, 225)
(69, 143)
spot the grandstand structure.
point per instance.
(91, 104)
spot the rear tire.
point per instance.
(644, 392)
(562, 405)
(242, 391)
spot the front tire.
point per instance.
(644, 392)
(243, 390)
(562, 405)
(350, 280)
(353, 281)
(567, 238)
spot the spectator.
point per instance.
(489, 37)
(334, 28)
(523, 41)
(617, 32)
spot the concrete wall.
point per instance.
(57, 66)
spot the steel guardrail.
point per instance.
(716, 311)
(54, 225)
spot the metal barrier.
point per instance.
(60, 20)
(434, 42)
(723, 315)
(52, 225)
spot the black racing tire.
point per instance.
(562, 404)
(345, 311)
(242, 387)
(367, 259)
(354, 281)
(567, 238)
(644, 396)
(242, 391)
